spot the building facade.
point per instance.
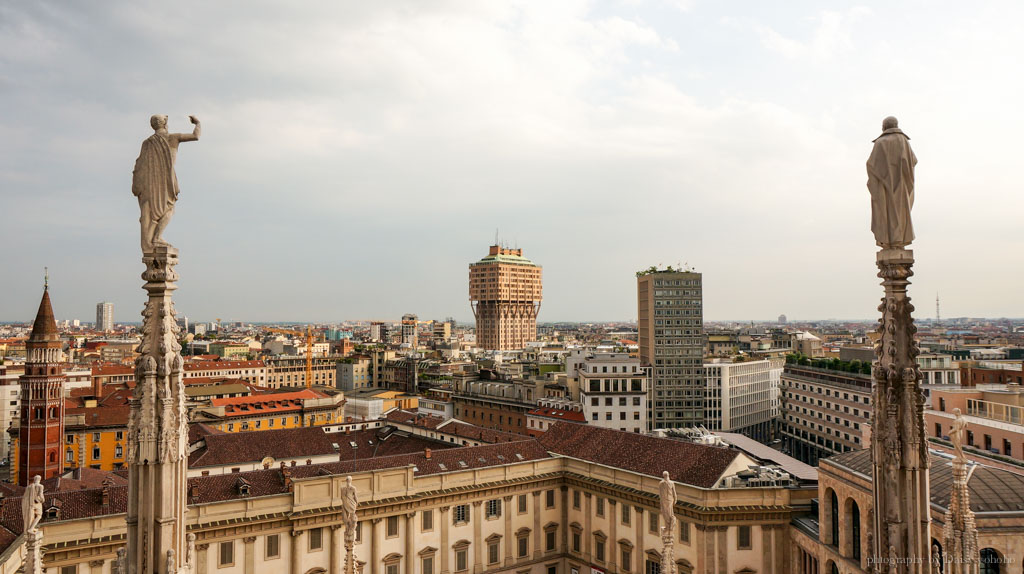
(505, 292)
(105, 316)
(824, 412)
(614, 391)
(743, 397)
(670, 321)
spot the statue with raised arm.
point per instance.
(154, 181)
(891, 183)
(667, 496)
(349, 502)
(32, 504)
(956, 434)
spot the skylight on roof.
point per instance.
(442, 466)
(463, 464)
(519, 456)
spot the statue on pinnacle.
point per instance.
(891, 183)
(154, 181)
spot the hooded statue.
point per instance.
(891, 183)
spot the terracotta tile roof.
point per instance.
(558, 414)
(197, 431)
(382, 442)
(414, 419)
(45, 326)
(222, 365)
(452, 426)
(108, 369)
(253, 446)
(269, 397)
(102, 416)
(699, 465)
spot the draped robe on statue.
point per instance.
(154, 181)
(891, 183)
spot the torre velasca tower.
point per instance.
(505, 291)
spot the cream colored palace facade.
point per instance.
(545, 513)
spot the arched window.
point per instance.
(989, 561)
(834, 507)
(834, 569)
(855, 529)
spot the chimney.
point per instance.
(97, 387)
(105, 496)
(426, 453)
(193, 490)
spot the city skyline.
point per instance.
(599, 137)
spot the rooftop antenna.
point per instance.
(496, 236)
(938, 315)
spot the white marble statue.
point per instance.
(349, 502)
(956, 434)
(32, 504)
(667, 496)
(154, 181)
(891, 183)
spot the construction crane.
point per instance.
(308, 335)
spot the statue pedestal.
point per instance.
(34, 552)
(899, 446)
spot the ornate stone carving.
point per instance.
(899, 448)
(891, 183)
(154, 181)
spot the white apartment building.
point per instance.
(613, 391)
(938, 369)
(743, 397)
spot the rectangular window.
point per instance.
(521, 502)
(523, 544)
(493, 509)
(119, 435)
(460, 513)
(549, 539)
(95, 452)
(492, 552)
(600, 506)
(391, 568)
(428, 565)
(69, 569)
(625, 513)
(743, 538)
(599, 550)
(392, 528)
(576, 541)
(316, 539)
(576, 499)
(227, 553)
(627, 560)
(273, 546)
(684, 532)
(549, 498)
(460, 560)
(427, 521)
(652, 522)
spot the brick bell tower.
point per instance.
(42, 399)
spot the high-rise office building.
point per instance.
(105, 316)
(670, 321)
(505, 291)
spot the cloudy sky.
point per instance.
(357, 156)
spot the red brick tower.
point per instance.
(42, 400)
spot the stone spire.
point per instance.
(959, 534)
(158, 432)
(899, 446)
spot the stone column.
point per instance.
(509, 535)
(899, 447)
(588, 527)
(723, 550)
(202, 560)
(445, 549)
(410, 543)
(375, 557)
(767, 565)
(337, 549)
(297, 551)
(612, 546)
(638, 545)
(34, 552)
(959, 533)
(157, 428)
(250, 553)
(563, 525)
(537, 534)
(709, 550)
(478, 539)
